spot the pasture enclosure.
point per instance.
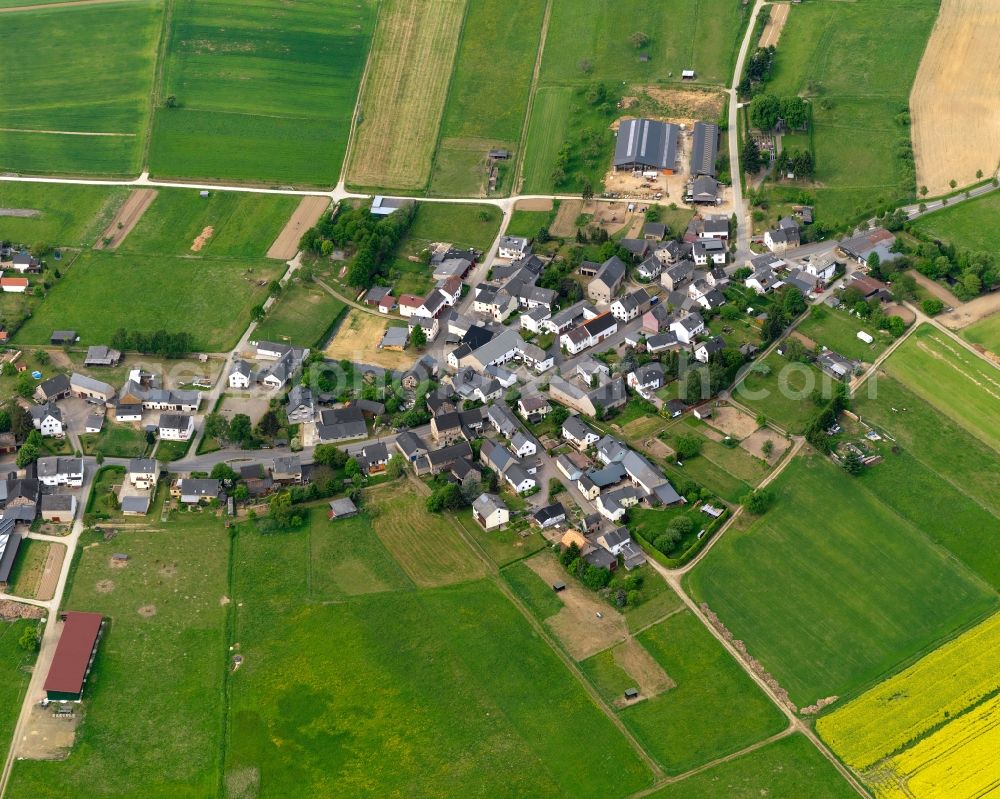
(67, 216)
(712, 708)
(167, 630)
(356, 339)
(831, 589)
(953, 89)
(856, 62)
(938, 687)
(263, 92)
(103, 292)
(838, 331)
(968, 225)
(404, 92)
(224, 224)
(469, 705)
(938, 369)
(789, 767)
(483, 110)
(79, 104)
(302, 314)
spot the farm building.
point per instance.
(646, 145)
(383, 206)
(342, 508)
(74, 656)
(10, 543)
(61, 337)
(704, 148)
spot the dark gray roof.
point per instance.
(136, 504)
(704, 148)
(200, 487)
(646, 143)
(55, 385)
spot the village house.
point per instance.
(513, 247)
(688, 327)
(239, 377)
(629, 307)
(55, 388)
(47, 419)
(58, 508)
(783, 237)
(589, 334)
(142, 473)
(607, 281)
(60, 471)
(88, 388)
(579, 434)
(490, 512)
(194, 491)
(176, 427)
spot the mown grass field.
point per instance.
(831, 589)
(939, 370)
(69, 216)
(243, 225)
(969, 225)
(462, 225)
(702, 36)
(528, 223)
(302, 314)
(90, 70)
(115, 441)
(838, 331)
(714, 708)
(938, 687)
(547, 131)
(458, 693)
(482, 112)
(265, 91)
(986, 333)
(957, 760)
(428, 546)
(155, 701)
(403, 99)
(102, 292)
(784, 395)
(16, 663)
(790, 767)
(858, 62)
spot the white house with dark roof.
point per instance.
(176, 427)
(490, 512)
(688, 327)
(47, 419)
(240, 375)
(513, 247)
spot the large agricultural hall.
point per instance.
(646, 145)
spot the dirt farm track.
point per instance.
(954, 102)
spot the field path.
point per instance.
(307, 214)
(63, 4)
(126, 219)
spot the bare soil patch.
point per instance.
(23, 213)
(202, 239)
(712, 435)
(649, 676)
(357, 340)
(168, 570)
(11, 610)
(565, 222)
(754, 444)
(577, 625)
(687, 105)
(808, 342)
(127, 218)
(953, 103)
(972, 311)
(147, 611)
(535, 204)
(306, 215)
(47, 736)
(105, 586)
(775, 24)
(732, 422)
(937, 289)
(902, 312)
(50, 572)
(656, 448)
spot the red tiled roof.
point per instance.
(69, 664)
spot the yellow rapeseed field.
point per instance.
(936, 688)
(958, 761)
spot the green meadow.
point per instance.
(856, 61)
(831, 588)
(16, 663)
(102, 292)
(264, 91)
(985, 333)
(969, 225)
(155, 695)
(68, 216)
(89, 71)
(303, 313)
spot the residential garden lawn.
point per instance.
(70, 216)
(103, 292)
(789, 767)
(105, 480)
(986, 333)
(137, 741)
(265, 91)
(528, 223)
(115, 441)
(427, 545)
(406, 85)
(303, 313)
(838, 331)
(735, 460)
(170, 451)
(831, 589)
(532, 590)
(482, 112)
(502, 546)
(16, 664)
(858, 60)
(658, 601)
(939, 370)
(785, 395)
(90, 71)
(701, 36)
(968, 225)
(713, 710)
(469, 705)
(713, 477)
(463, 225)
(243, 225)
